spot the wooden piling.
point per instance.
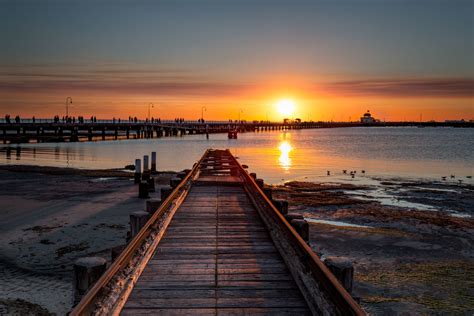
(87, 271)
(260, 183)
(116, 251)
(281, 205)
(174, 182)
(138, 170)
(153, 161)
(143, 190)
(342, 269)
(151, 184)
(291, 216)
(137, 221)
(145, 163)
(152, 205)
(302, 228)
(268, 192)
(165, 192)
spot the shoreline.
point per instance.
(50, 220)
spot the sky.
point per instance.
(401, 60)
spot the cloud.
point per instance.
(146, 80)
(431, 87)
(113, 80)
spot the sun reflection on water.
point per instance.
(284, 160)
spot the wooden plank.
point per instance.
(253, 302)
(254, 277)
(169, 312)
(263, 311)
(171, 303)
(181, 293)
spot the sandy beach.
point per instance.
(409, 241)
(49, 218)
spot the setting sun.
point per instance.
(286, 106)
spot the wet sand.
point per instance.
(50, 217)
(407, 259)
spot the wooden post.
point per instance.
(145, 163)
(151, 184)
(260, 183)
(281, 206)
(342, 269)
(143, 190)
(153, 161)
(181, 175)
(302, 228)
(291, 216)
(165, 192)
(174, 182)
(138, 170)
(152, 205)
(116, 251)
(137, 221)
(86, 272)
(253, 175)
(268, 192)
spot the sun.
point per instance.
(285, 107)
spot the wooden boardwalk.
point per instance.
(217, 246)
(216, 258)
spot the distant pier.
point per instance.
(43, 130)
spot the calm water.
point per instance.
(281, 156)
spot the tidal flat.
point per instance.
(411, 242)
(407, 260)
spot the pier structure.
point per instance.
(44, 130)
(218, 245)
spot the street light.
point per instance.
(68, 101)
(150, 105)
(203, 108)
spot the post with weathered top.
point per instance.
(137, 221)
(143, 190)
(281, 205)
(152, 205)
(302, 228)
(342, 269)
(145, 163)
(138, 170)
(86, 272)
(165, 192)
(153, 161)
(260, 183)
(174, 182)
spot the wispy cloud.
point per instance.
(116, 81)
(431, 87)
(142, 80)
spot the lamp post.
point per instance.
(150, 105)
(68, 101)
(203, 108)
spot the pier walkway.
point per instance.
(217, 246)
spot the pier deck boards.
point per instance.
(216, 258)
(217, 246)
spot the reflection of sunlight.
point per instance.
(284, 159)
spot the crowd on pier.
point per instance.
(93, 119)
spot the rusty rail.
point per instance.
(314, 279)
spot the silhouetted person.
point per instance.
(17, 119)
(34, 119)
